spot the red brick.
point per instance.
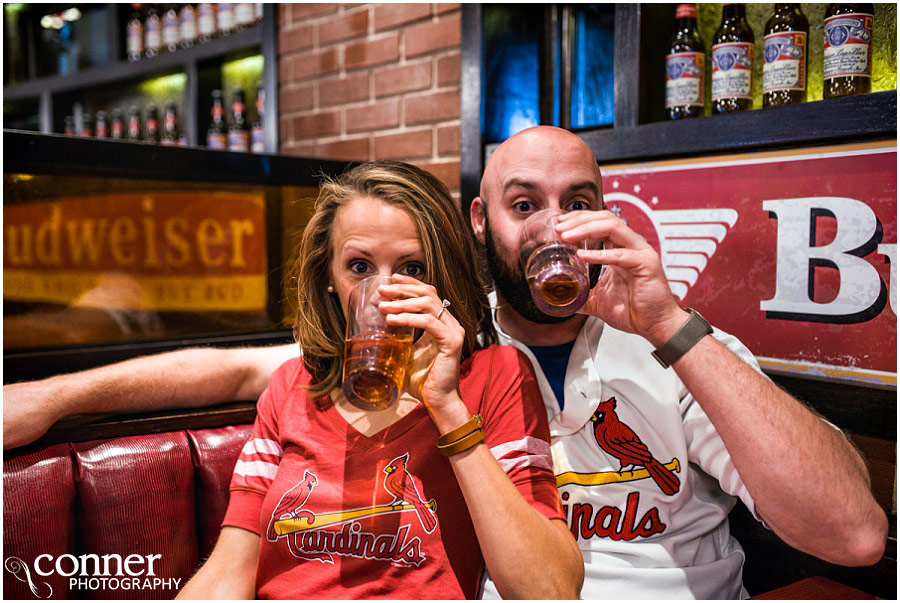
(316, 124)
(378, 116)
(372, 51)
(303, 149)
(344, 26)
(392, 15)
(285, 69)
(448, 140)
(406, 145)
(302, 12)
(440, 9)
(426, 37)
(407, 78)
(353, 149)
(447, 172)
(448, 70)
(284, 15)
(295, 98)
(295, 38)
(437, 106)
(285, 131)
(316, 63)
(336, 91)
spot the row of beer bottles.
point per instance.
(847, 58)
(237, 134)
(115, 126)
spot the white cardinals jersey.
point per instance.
(645, 480)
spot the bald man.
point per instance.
(649, 460)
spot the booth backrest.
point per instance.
(72, 504)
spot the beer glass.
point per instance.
(557, 276)
(375, 353)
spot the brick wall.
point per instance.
(371, 81)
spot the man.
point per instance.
(649, 460)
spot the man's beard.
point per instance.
(510, 282)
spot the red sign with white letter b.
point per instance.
(793, 252)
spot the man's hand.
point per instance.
(632, 294)
(29, 409)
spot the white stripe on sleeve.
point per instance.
(527, 452)
(262, 446)
(256, 469)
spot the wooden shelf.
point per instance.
(120, 71)
(862, 117)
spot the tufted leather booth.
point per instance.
(159, 494)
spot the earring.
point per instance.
(330, 288)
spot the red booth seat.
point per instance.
(137, 513)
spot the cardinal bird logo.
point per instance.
(400, 484)
(291, 503)
(617, 439)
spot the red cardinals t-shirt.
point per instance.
(346, 516)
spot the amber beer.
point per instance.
(374, 369)
(375, 354)
(785, 57)
(848, 49)
(732, 59)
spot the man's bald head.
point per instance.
(538, 153)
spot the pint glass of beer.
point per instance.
(557, 276)
(375, 353)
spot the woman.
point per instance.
(315, 508)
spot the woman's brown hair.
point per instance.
(447, 243)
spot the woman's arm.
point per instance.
(230, 570)
(184, 378)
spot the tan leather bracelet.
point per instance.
(475, 422)
(464, 443)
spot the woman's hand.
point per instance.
(433, 374)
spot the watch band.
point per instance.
(693, 330)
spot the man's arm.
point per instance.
(806, 480)
(183, 378)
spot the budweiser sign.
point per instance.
(793, 252)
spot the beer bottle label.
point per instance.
(225, 16)
(135, 41)
(732, 70)
(238, 140)
(117, 130)
(101, 131)
(258, 140)
(848, 39)
(215, 141)
(170, 29)
(153, 35)
(784, 64)
(684, 79)
(206, 20)
(243, 13)
(188, 25)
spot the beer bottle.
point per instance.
(170, 126)
(134, 36)
(215, 136)
(86, 126)
(151, 128)
(101, 129)
(170, 33)
(848, 49)
(685, 66)
(244, 15)
(785, 57)
(152, 32)
(732, 58)
(206, 22)
(238, 133)
(258, 129)
(224, 18)
(188, 26)
(69, 125)
(117, 131)
(134, 124)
